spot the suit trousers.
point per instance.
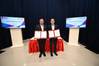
(53, 42)
(42, 45)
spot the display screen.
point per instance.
(76, 22)
(13, 22)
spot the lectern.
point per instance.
(15, 24)
(74, 24)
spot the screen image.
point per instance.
(76, 22)
(12, 22)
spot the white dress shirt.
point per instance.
(53, 27)
(42, 27)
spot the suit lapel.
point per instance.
(41, 28)
(51, 27)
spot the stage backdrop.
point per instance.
(60, 9)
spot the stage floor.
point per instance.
(72, 56)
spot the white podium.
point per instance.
(16, 37)
(73, 36)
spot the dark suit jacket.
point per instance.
(50, 27)
(38, 27)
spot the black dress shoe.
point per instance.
(55, 53)
(51, 54)
(40, 55)
(44, 54)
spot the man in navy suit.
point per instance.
(53, 41)
(41, 27)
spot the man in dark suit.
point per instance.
(41, 27)
(53, 41)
